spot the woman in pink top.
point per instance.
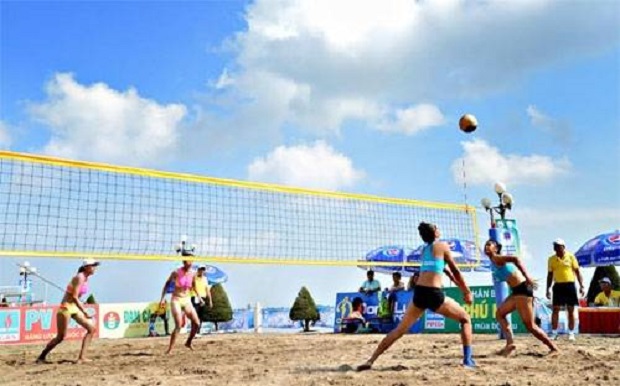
(181, 304)
(71, 308)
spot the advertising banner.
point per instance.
(10, 325)
(507, 234)
(243, 319)
(278, 317)
(482, 313)
(344, 306)
(130, 320)
(38, 324)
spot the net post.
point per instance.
(258, 318)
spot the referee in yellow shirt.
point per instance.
(563, 268)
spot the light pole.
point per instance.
(505, 204)
(24, 270)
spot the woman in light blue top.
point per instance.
(428, 294)
(511, 270)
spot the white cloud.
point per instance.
(224, 80)
(537, 117)
(315, 166)
(5, 137)
(96, 122)
(317, 64)
(415, 119)
(485, 164)
(559, 129)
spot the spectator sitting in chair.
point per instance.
(3, 302)
(357, 312)
(608, 297)
(370, 286)
(355, 320)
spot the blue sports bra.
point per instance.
(431, 263)
(502, 273)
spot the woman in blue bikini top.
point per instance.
(428, 294)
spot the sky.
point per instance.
(352, 96)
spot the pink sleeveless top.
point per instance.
(184, 279)
(83, 289)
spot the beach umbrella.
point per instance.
(464, 253)
(215, 275)
(389, 254)
(601, 250)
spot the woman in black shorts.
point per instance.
(511, 270)
(428, 294)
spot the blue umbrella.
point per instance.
(600, 251)
(389, 254)
(215, 275)
(464, 253)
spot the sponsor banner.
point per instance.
(10, 323)
(278, 317)
(433, 321)
(344, 306)
(275, 318)
(482, 313)
(131, 320)
(38, 324)
(507, 234)
(327, 315)
(243, 319)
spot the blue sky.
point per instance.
(351, 96)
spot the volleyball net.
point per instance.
(52, 207)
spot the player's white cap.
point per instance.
(87, 262)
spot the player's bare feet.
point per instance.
(81, 361)
(507, 350)
(363, 367)
(189, 346)
(43, 361)
(553, 352)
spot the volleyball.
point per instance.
(468, 123)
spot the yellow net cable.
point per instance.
(52, 207)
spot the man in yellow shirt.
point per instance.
(202, 291)
(562, 270)
(608, 297)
